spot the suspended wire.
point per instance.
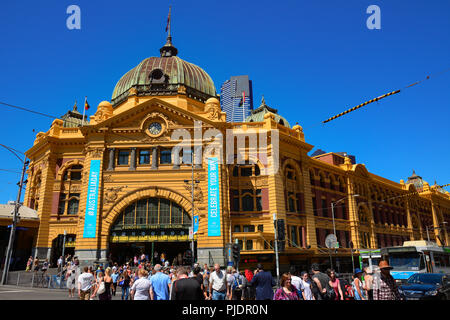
(8, 170)
(378, 98)
(54, 117)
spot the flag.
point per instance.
(243, 98)
(86, 104)
(168, 20)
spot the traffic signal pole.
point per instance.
(15, 221)
(276, 248)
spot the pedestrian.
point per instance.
(160, 283)
(218, 286)
(336, 285)
(135, 261)
(29, 264)
(237, 285)
(287, 291)
(198, 276)
(124, 282)
(321, 284)
(85, 281)
(107, 280)
(205, 287)
(230, 279)
(115, 278)
(384, 286)
(141, 288)
(71, 279)
(263, 282)
(357, 285)
(368, 282)
(60, 264)
(249, 288)
(99, 287)
(305, 286)
(186, 288)
(45, 266)
(295, 281)
(36, 264)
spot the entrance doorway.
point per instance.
(125, 252)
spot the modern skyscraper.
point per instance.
(236, 98)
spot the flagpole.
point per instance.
(84, 108)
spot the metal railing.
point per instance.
(36, 280)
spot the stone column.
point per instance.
(133, 159)
(111, 159)
(155, 158)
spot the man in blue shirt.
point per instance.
(114, 278)
(160, 285)
(263, 283)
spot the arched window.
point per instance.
(35, 191)
(292, 195)
(322, 180)
(73, 173)
(69, 198)
(152, 212)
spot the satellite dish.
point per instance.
(330, 241)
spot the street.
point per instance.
(25, 293)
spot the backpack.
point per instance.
(237, 283)
(349, 293)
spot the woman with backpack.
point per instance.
(336, 285)
(287, 291)
(357, 285)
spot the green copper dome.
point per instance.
(259, 113)
(165, 75)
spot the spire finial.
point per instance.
(263, 101)
(168, 50)
(75, 106)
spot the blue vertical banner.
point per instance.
(213, 198)
(90, 218)
(195, 224)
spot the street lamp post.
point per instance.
(15, 220)
(334, 226)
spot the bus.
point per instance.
(417, 257)
(369, 257)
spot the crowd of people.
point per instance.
(145, 281)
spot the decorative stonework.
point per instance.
(94, 152)
(107, 178)
(111, 194)
(198, 194)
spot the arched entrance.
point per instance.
(150, 226)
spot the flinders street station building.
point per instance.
(114, 185)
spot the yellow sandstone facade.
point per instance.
(145, 196)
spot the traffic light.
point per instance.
(236, 252)
(188, 257)
(280, 230)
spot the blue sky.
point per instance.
(310, 59)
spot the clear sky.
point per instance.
(310, 60)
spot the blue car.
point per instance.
(426, 286)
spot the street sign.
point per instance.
(191, 233)
(331, 241)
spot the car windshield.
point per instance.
(405, 261)
(424, 278)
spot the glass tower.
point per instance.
(236, 98)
